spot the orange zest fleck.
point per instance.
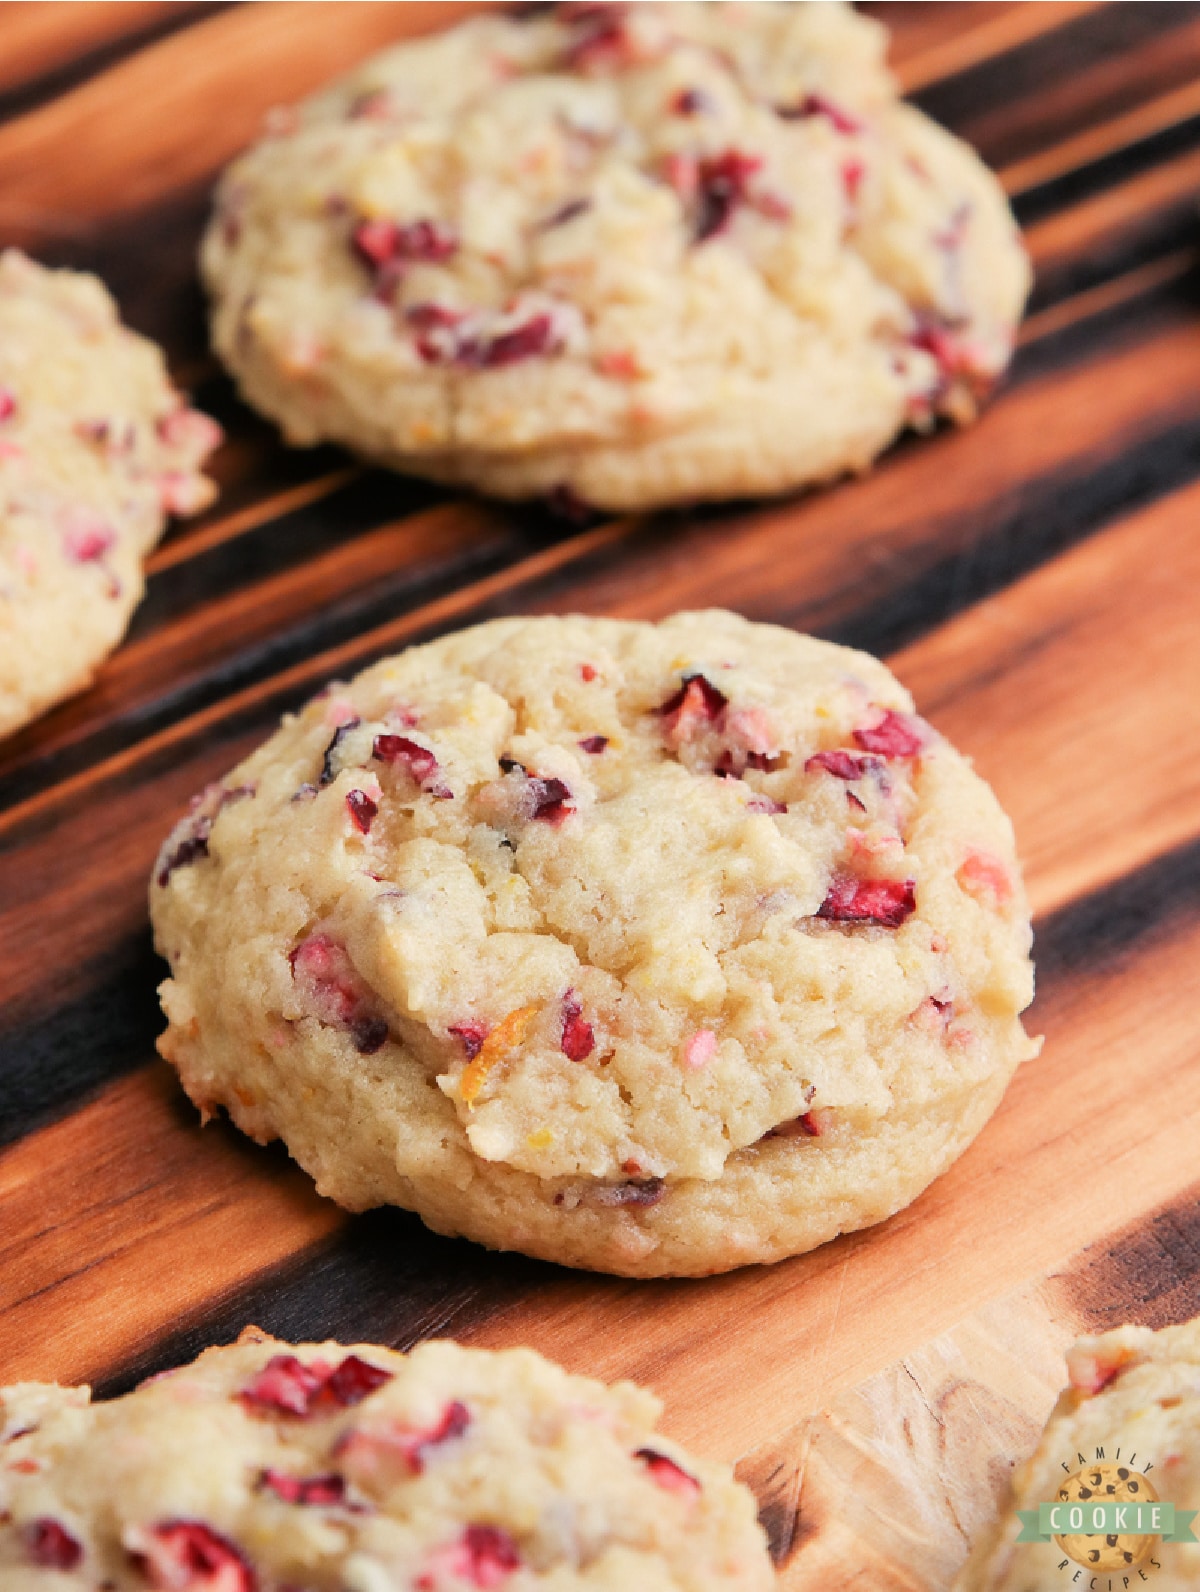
(507, 1035)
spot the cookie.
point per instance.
(628, 255)
(96, 449)
(653, 949)
(263, 1467)
(1126, 1429)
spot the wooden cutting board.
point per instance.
(1033, 580)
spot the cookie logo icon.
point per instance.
(1114, 1550)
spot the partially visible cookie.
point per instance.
(96, 449)
(264, 1467)
(647, 948)
(632, 254)
(1127, 1427)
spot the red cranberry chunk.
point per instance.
(455, 1419)
(820, 105)
(491, 1555)
(472, 1035)
(418, 761)
(88, 538)
(667, 1474)
(380, 243)
(723, 183)
(603, 43)
(8, 403)
(886, 902)
(842, 765)
(188, 1556)
(534, 337)
(551, 799)
(329, 771)
(335, 992)
(286, 1386)
(593, 744)
(327, 1489)
(426, 317)
(362, 810)
(354, 1380)
(896, 735)
(51, 1546)
(697, 704)
(693, 102)
(578, 1040)
(195, 831)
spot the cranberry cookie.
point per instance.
(262, 1468)
(653, 949)
(1130, 1421)
(632, 254)
(96, 449)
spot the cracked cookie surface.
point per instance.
(650, 948)
(629, 255)
(264, 1466)
(96, 449)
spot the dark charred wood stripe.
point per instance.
(1013, 105)
(386, 1279)
(1148, 1274)
(1122, 165)
(20, 98)
(50, 1064)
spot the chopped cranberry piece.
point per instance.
(693, 102)
(377, 1456)
(329, 771)
(362, 810)
(286, 1385)
(8, 403)
(86, 537)
(639, 1191)
(723, 184)
(188, 842)
(886, 902)
(1090, 1370)
(842, 765)
(533, 337)
(484, 1556)
(853, 172)
(603, 43)
(594, 744)
(820, 105)
(896, 735)
(697, 704)
(368, 1034)
(578, 1040)
(51, 1546)
(427, 317)
(472, 1035)
(188, 1556)
(327, 1489)
(667, 1474)
(587, 672)
(552, 799)
(354, 1380)
(420, 763)
(567, 212)
(336, 993)
(380, 243)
